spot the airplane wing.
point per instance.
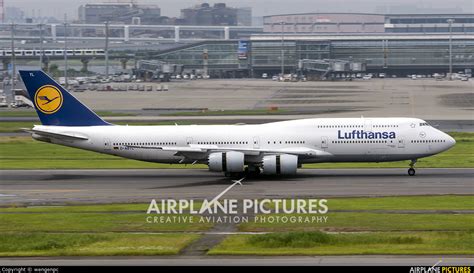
(205, 149)
(58, 135)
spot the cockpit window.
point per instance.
(424, 124)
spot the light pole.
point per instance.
(450, 22)
(106, 49)
(41, 45)
(13, 57)
(65, 51)
(282, 50)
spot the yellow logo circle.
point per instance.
(48, 99)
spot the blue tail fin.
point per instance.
(54, 104)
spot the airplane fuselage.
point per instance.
(312, 140)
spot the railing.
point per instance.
(52, 52)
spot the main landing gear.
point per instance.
(250, 171)
(411, 170)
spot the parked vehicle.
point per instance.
(3, 99)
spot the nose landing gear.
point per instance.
(411, 170)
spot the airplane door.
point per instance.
(324, 142)
(368, 125)
(256, 142)
(189, 140)
(107, 144)
(401, 142)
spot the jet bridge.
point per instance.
(150, 70)
(324, 69)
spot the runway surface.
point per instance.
(41, 187)
(399, 260)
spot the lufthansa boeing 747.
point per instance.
(277, 148)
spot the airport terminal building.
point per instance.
(397, 44)
(391, 53)
(306, 23)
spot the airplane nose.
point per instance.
(450, 140)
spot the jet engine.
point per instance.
(280, 164)
(231, 162)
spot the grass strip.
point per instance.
(361, 221)
(398, 203)
(93, 222)
(318, 243)
(103, 244)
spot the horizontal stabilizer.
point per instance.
(58, 135)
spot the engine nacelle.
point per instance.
(232, 162)
(280, 164)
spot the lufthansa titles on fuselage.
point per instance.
(361, 134)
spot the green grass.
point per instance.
(290, 239)
(77, 208)
(317, 243)
(367, 230)
(92, 222)
(105, 244)
(365, 221)
(317, 238)
(396, 203)
(81, 208)
(89, 218)
(25, 153)
(444, 202)
(115, 229)
(111, 229)
(393, 203)
(229, 112)
(32, 113)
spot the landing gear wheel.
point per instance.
(411, 171)
(252, 171)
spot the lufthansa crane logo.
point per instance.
(48, 99)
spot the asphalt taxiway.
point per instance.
(43, 187)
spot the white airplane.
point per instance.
(276, 148)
